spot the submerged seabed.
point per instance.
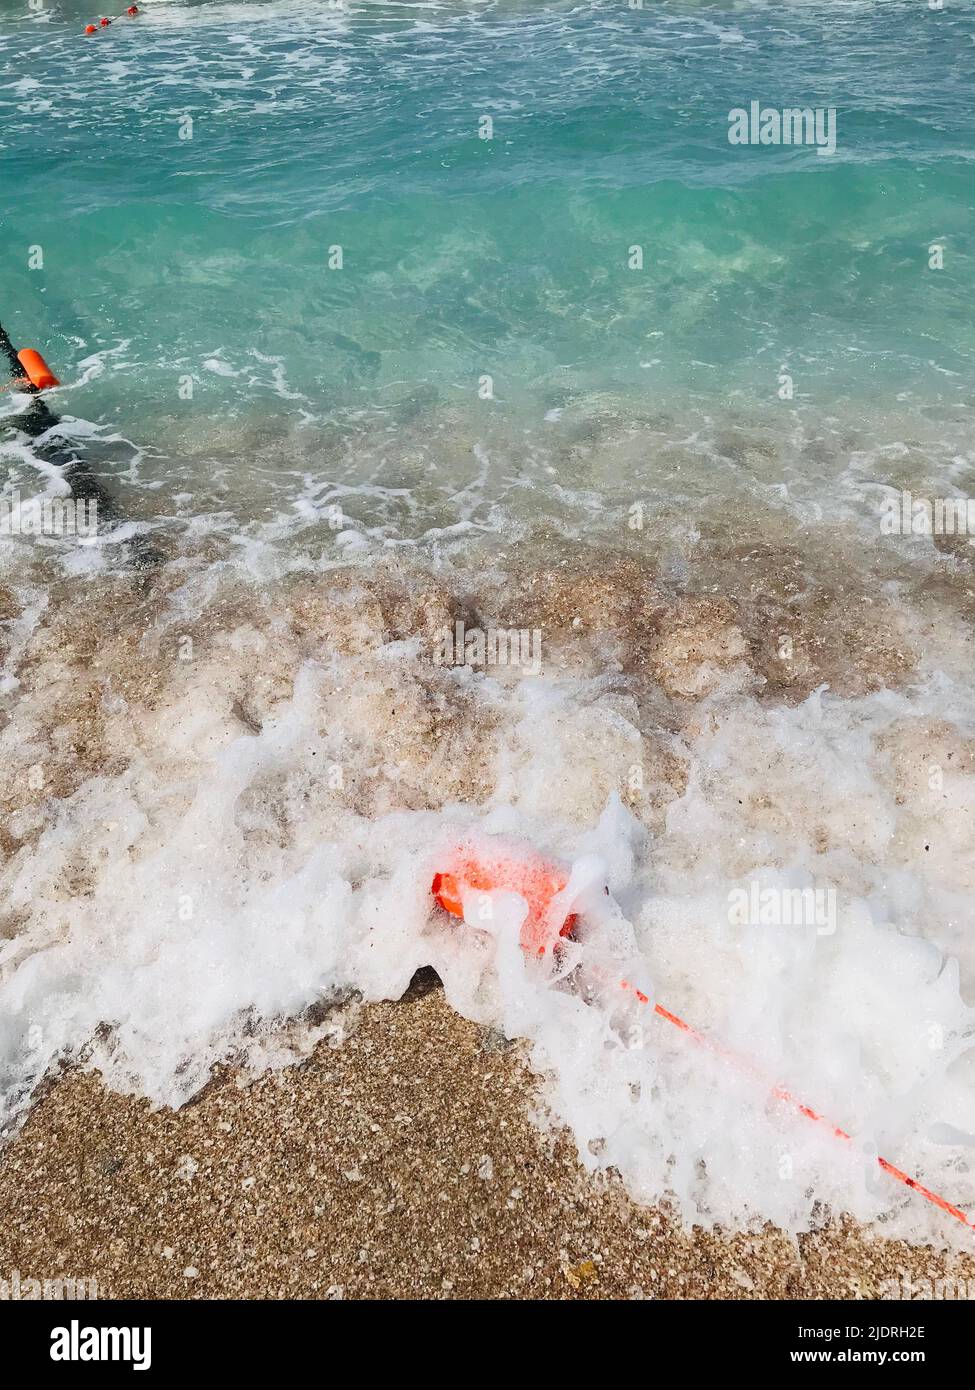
(239, 736)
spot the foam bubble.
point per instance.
(233, 812)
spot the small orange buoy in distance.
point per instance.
(133, 10)
(90, 29)
(104, 23)
(535, 880)
(38, 372)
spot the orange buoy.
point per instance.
(537, 881)
(38, 372)
(90, 29)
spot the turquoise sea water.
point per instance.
(358, 126)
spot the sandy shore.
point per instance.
(402, 1164)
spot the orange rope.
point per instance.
(538, 891)
(780, 1093)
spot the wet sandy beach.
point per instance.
(402, 1164)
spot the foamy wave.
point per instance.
(232, 809)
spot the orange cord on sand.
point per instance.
(538, 883)
(780, 1093)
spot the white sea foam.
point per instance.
(261, 832)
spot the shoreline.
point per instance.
(230, 809)
(403, 1163)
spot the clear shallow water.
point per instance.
(179, 873)
(315, 127)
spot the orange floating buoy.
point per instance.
(537, 881)
(90, 29)
(104, 23)
(133, 10)
(38, 372)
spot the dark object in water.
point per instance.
(38, 419)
